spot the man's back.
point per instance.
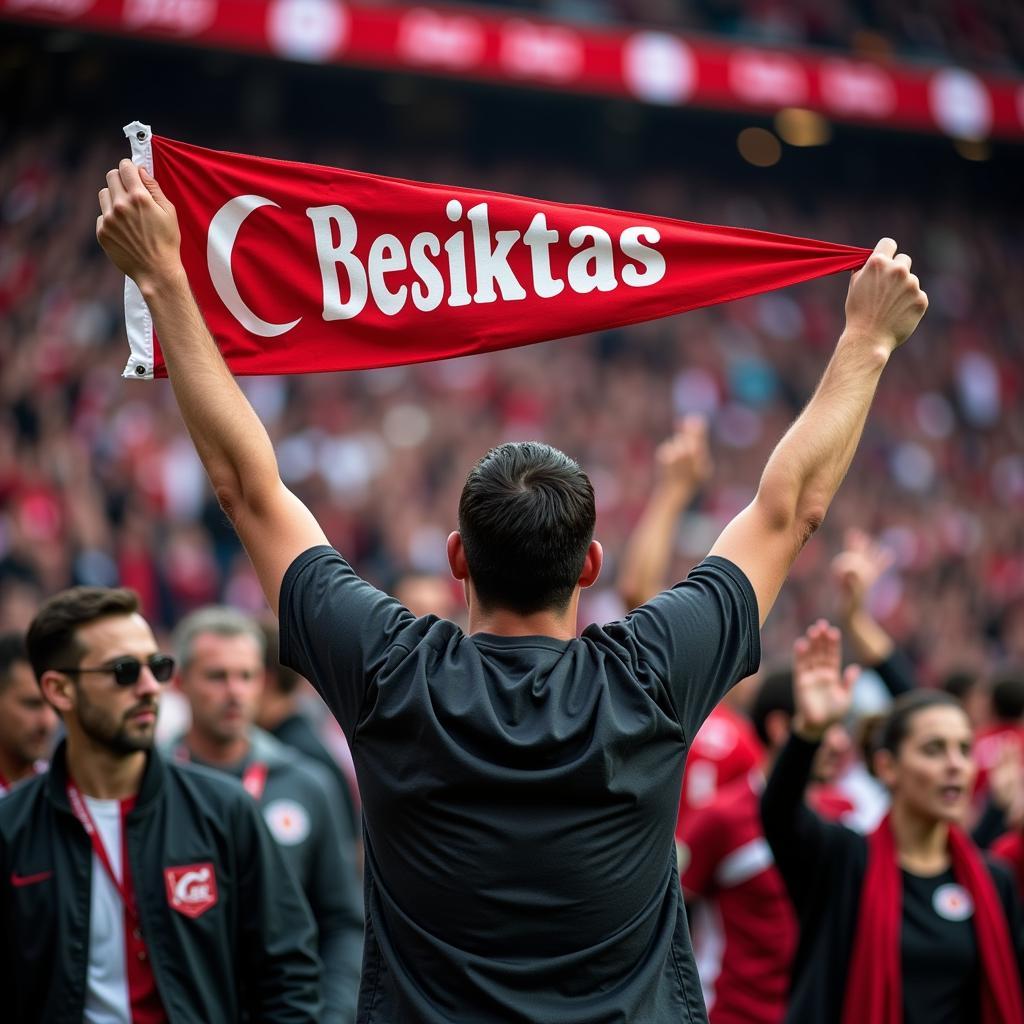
(520, 795)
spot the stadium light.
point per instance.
(976, 150)
(759, 147)
(798, 126)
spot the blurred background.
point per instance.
(98, 480)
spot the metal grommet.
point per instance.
(141, 136)
(140, 370)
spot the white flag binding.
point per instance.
(137, 318)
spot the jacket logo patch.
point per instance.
(191, 888)
(288, 821)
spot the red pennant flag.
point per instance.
(299, 268)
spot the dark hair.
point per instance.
(1008, 696)
(774, 694)
(12, 652)
(959, 683)
(869, 729)
(895, 727)
(52, 639)
(526, 516)
(282, 678)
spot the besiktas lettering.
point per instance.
(593, 267)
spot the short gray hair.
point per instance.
(219, 620)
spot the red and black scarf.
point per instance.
(874, 986)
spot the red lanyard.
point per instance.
(81, 812)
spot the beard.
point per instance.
(117, 735)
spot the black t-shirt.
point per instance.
(941, 976)
(520, 794)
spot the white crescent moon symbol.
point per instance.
(220, 241)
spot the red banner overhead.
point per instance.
(300, 268)
(654, 67)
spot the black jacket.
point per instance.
(823, 865)
(252, 950)
(303, 810)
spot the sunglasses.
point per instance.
(126, 670)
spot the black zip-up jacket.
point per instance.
(252, 952)
(823, 865)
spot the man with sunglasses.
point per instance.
(134, 890)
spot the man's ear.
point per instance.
(58, 689)
(592, 564)
(457, 556)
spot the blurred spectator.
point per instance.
(221, 671)
(425, 594)
(744, 928)
(1007, 726)
(912, 922)
(28, 724)
(969, 688)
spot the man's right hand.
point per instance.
(885, 301)
(138, 226)
(822, 691)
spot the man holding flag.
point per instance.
(519, 783)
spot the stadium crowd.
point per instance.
(99, 483)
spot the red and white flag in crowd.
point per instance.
(299, 268)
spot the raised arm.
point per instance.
(883, 306)
(138, 229)
(822, 696)
(682, 463)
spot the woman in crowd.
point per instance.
(911, 924)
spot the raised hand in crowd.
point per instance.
(682, 465)
(822, 690)
(855, 570)
(683, 462)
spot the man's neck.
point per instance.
(14, 769)
(100, 772)
(215, 751)
(559, 625)
(922, 844)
